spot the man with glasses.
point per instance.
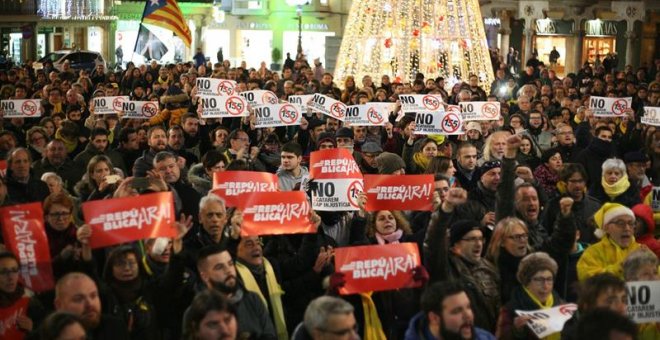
(566, 143)
(369, 152)
(328, 317)
(239, 148)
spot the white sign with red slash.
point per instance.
(413, 103)
(277, 115)
(439, 123)
(480, 110)
(328, 106)
(109, 105)
(651, 116)
(609, 107)
(21, 108)
(260, 97)
(139, 109)
(215, 87)
(369, 114)
(224, 106)
(300, 101)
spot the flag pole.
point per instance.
(144, 11)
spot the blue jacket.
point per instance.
(419, 330)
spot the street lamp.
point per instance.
(298, 4)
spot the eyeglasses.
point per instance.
(622, 224)
(473, 239)
(519, 237)
(61, 214)
(341, 332)
(542, 280)
(8, 272)
(125, 263)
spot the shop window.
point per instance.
(63, 9)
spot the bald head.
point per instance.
(76, 293)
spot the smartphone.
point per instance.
(140, 183)
(112, 179)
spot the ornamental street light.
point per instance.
(298, 4)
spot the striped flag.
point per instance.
(167, 14)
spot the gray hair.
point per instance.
(636, 260)
(53, 175)
(321, 309)
(211, 198)
(614, 163)
(163, 155)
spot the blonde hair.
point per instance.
(488, 156)
(503, 229)
(401, 222)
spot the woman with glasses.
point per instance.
(536, 274)
(13, 293)
(36, 139)
(60, 226)
(201, 175)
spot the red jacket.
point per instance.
(645, 213)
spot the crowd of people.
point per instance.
(548, 205)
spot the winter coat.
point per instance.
(604, 257)
(68, 171)
(592, 159)
(520, 300)
(629, 198)
(144, 163)
(418, 330)
(172, 116)
(582, 211)
(645, 213)
(33, 191)
(199, 179)
(90, 151)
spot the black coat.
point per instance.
(33, 191)
(592, 159)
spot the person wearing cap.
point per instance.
(139, 92)
(636, 168)
(369, 152)
(390, 164)
(616, 226)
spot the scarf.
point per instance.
(373, 329)
(421, 160)
(617, 188)
(547, 305)
(70, 145)
(392, 238)
(275, 293)
(57, 108)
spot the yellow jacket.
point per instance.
(603, 257)
(172, 116)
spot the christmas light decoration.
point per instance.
(403, 37)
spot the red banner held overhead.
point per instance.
(24, 233)
(275, 213)
(8, 315)
(228, 185)
(377, 267)
(333, 163)
(395, 192)
(129, 219)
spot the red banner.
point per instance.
(24, 233)
(3, 167)
(122, 220)
(275, 213)
(333, 163)
(228, 185)
(394, 192)
(377, 267)
(8, 327)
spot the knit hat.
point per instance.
(607, 213)
(459, 229)
(534, 263)
(490, 165)
(473, 126)
(344, 133)
(388, 163)
(635, 157)
(313, 123)
(326, 137)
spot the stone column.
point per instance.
(630, 37)
(504, 43)
(528, 47)
(579, 43)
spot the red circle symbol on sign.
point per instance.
(234, 106)
(288, 114)
(29, 108)
(338, 110)
(431, 103)
(270, 98)
(374, 116)
(149, 110)
(117, 103)
(450, 123)
(567, 309)
(226, 87)
(454, 108)
(619, 106)
(489, 110)
(354, 189)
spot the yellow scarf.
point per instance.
(70, 145)
(373, 329)
(547, 305)
(421, 160)
(617, 188)
(57, 108)
(275, 293)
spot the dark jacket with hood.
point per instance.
(645, 213)
(592, 159)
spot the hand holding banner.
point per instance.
(609, 107)
(480, 111)
(229, 185)
(109, 105)
(223, 106)
(275, 213)
(394, 192)
(328, 106)
(215, 87)
(277, 115)
(8, 315)
(337, 180)
(121, 220)
(21, 108)
(545, 322)
(377, 267)
(24, 233)
(651, 116)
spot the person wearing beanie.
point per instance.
(176, 104)
(390, 164)
(616, 226)
(326, 140)
(536, 275)
(615, 186)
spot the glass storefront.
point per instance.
(313, 44)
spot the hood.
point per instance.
(645, 212)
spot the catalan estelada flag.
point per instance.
(167, 14)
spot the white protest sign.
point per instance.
(644, 301)
(369, 114)
(328, 106)
(655, 199)
(480, 110)
(224, 106)
(442, 123)
(651, 116)
(300, 101)
(337, 194)
(215, 87)
(139, 109)
(548, 321)
(412, 103)
(260, 97)
(109, 105)
(21, 108)
(277, 115)
(609, 107)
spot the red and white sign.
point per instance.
(328, 106)
(338, 180)
(275, 213)
(333, 163)
(439, 123)
(8, 315)
(392, 192)
(139, 109)
(277, 115)
(370, 114)
(21, 108)
(121, 220)
(24, 232)
(651, 116)
(300, 101)
(609, 107)
(480, 110)
(229, 185)
(260, 97)
(215, 87)
(223, 106)
(109, 105)
(377, 267)
(414, 103)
